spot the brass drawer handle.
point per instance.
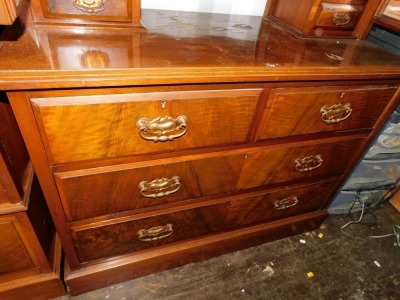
(341, 18)
(285, 203)
(89, 6)
(155, 233)
(308, 163)
(332, 114)
(160, 187)
(162, 128)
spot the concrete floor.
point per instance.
(307, 266)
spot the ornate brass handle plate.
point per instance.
(308, 163)
(285, 203)
(162, 128)
(155, 233)
(89, 6)
(160, 187)
(332, 114)
(341, 18)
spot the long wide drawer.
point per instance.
(102, 241)
(296, 111)
(104, 191)
(103, 126)
(98, 192)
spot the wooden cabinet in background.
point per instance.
(16, 171)
(384, 13)
(321, 18)
(121, 13)
(8, 11)
(30, 251)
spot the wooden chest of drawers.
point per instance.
(172, 160)
(231, 163)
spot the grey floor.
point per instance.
(323, 264)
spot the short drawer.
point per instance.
(103, 126)
(297, 111)
(297, 163)
(340, 16)
(91, 193)
(96, 242)
(87, 11)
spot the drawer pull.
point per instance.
(160, 187)
(332, 114)
(341, 18)
(155, 233)
(308, 163)
(89, 6)
(162, 128)
(285, 203)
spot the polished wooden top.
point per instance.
(182, 47)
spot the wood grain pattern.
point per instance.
(25, 118)
(302, 107)
(101, 193)
(105, 126)
(219, 77)
(161, 56)
(274, 166)
(122, 238)
(170, 256)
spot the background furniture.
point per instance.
(30, 253)
(315, 19)
(8, 12)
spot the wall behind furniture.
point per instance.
(237, 7)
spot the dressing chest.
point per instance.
(203, 135)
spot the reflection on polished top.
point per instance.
(182, 47)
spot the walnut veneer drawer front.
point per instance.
(296, 163)
(295, 111)
(94, 194)
(100, 126)
(339, 15)
(121, 238)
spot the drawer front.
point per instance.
(102, 126)
(17, 258)
(297, 163)
(296, 111)
(130, 236)
(91, 10)
(339, 16)
(96, 194)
